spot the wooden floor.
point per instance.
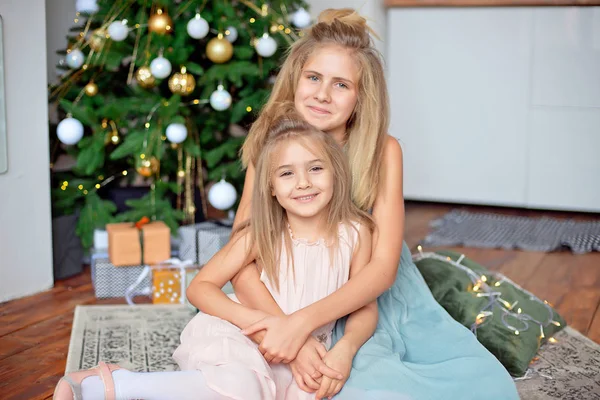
(34, 331)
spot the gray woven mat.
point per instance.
(143, 338)
(507, 232)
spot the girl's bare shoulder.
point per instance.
(392, 150)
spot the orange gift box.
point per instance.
(125, 243)
(166, 286)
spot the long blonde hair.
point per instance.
(268, 222)
(367, 127)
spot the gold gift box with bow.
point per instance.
(167, 284)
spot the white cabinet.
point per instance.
(497, 105)
(564, 162)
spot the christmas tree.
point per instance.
(163, 91)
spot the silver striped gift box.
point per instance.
(200, 242)
(110, 281)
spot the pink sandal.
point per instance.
(69, 386)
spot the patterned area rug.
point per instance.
(462, 228)
(143, 337)
(139, 338)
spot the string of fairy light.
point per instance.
(512, 317)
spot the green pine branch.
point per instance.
(155, 205)
(95, 214)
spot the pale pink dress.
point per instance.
(230, 362)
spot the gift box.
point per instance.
(169, 284)
(138, 244)
(110, 281)
(200, 242)
(170, 280)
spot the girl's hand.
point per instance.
(339, 358)
(255, 316)
(308, 367)
(283, 339)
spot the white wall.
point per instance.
(498, 105)
(372, 10)
(25, 232)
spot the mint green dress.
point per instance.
(419, 352)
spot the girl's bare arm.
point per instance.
(205, 292)
(361, 323)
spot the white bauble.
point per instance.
(266, 46)
(232, 35)
(118, 31)
(197, 27)
(160, 67)
(86, 6)
(69, 131)
(301, 18)
(75, 58)
(220, 99)
(222, 195)
(176, 132)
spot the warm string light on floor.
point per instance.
(484, 287)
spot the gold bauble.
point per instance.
(219, 50)
(154, 165)
(97, 39)
(160, 23)
(145, 78)
(144, 171)
(182, 83)
(91, 89)
(147, 167)
(144, 168)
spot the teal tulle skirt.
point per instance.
(419, 352)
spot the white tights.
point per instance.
(171, 385)
(187, 385)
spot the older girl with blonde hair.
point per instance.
(335, 78)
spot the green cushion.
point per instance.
(453, 288)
